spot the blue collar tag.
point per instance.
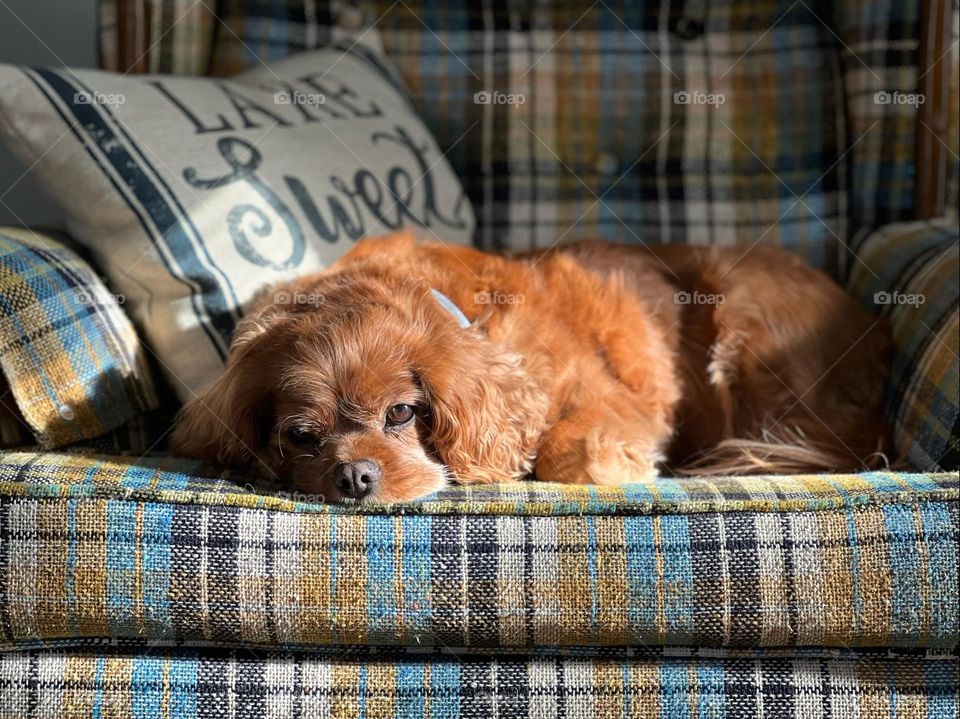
(450, 307)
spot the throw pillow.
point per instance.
(194, 193)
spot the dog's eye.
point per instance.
(301, 435)
(400, 414)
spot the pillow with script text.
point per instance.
(194, 193)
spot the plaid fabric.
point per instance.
(629, 122)
(878, 60)
(142, 435)
(179, 31)
(635, 123)
(908, 273)
(94, 549)
(170, 479)
(69, 354)
(599, 96)
(649, 685)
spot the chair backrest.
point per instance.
(699, 122)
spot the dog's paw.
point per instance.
(599, 457)
(610, 459)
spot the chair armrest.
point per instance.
(73, 363)
(907, 273)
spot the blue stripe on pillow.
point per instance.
(175, 200)
(214, 313)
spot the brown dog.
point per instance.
(592, 363)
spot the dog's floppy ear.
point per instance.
(486, 411)
(225, 423)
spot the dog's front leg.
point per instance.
(603, 442)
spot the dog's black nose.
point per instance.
(357, 479)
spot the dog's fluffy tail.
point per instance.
(789, 451)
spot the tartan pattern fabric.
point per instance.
(878, 61)
(908, 272)
(641, 685)
(448, 52)
(92, 550)
(71, 357)
(171, 479)
(142, 435)
(180, 34)
(631, 122)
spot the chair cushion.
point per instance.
(73, 361)
(654, 684)
(96, 547)
(908, 273)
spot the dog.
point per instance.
(408, 365)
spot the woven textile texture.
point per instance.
(642, 685)
(908, 273)
(597, 96)
(96, 549)
(71, 357)
(180, 33)
(878, 47)
(631, 122)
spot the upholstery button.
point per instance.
(350, 18)
(688, 28)
(607, 163)
(66, 412)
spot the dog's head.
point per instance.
(367, 389)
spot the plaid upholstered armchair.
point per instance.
(136, 584)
